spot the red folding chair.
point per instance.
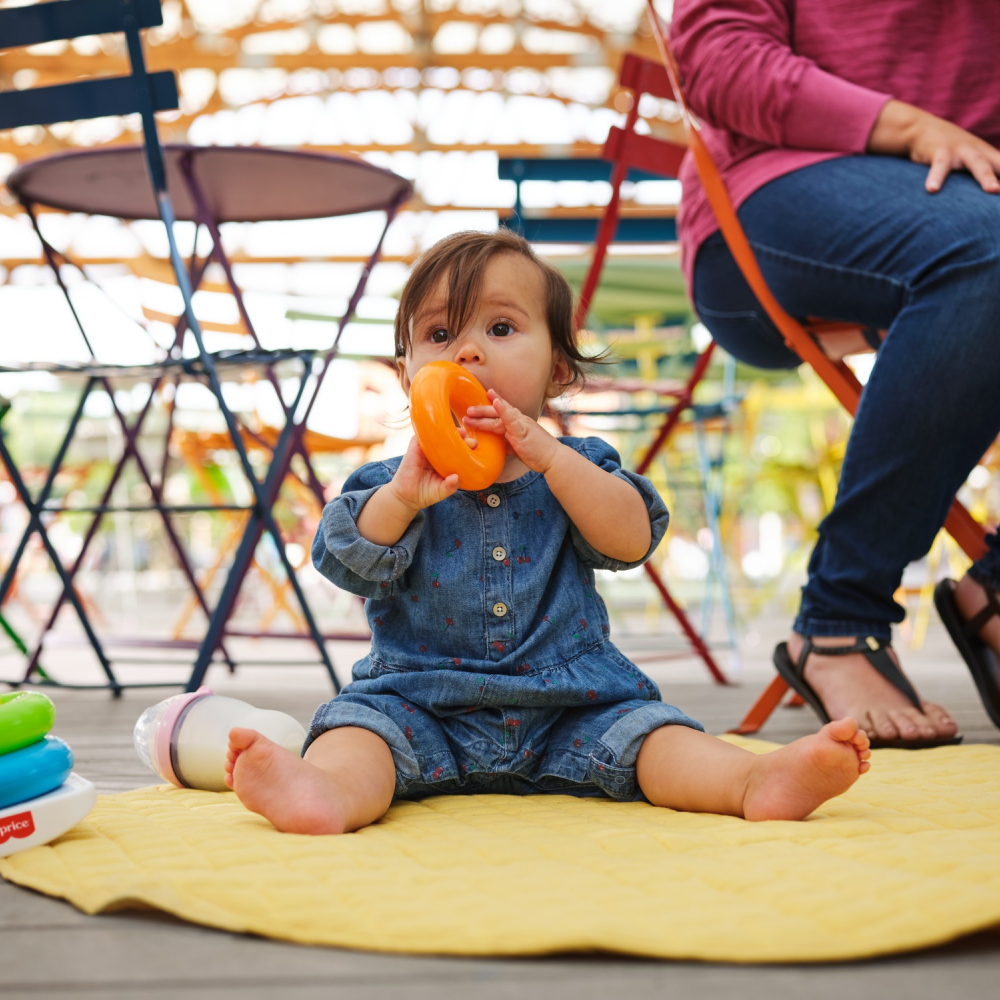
(806, 340)
(629, 150)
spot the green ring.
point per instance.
(25, 718)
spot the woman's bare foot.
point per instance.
(293, 794)
(971, 599)
(850, 687)
(792, 782)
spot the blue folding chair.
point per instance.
(143, 93)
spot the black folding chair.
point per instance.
(143, 93)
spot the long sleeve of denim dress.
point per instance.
(491, 667)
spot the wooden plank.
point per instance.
(31, 151)
(71, 64)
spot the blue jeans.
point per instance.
(859, 239)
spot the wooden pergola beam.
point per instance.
(31, 151)
(428, 22)
(70, 64)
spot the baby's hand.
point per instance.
(416, 485)
(526, 438)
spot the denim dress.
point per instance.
(491, 668)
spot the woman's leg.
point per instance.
(345, 781)
(685, 769)
(859, 239)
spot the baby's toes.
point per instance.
(882, 725)
(864, 767)
(842, 730)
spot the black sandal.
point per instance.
(875, 652)
(982, 661)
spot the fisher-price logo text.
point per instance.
(22, 825)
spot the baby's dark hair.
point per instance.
(463, 257)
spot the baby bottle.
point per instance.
(185, 738)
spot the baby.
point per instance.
(491, 668)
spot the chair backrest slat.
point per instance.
(521, 168)
(50, 22)
(645, 77)
(66, 102)
(646, 153)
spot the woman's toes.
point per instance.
(924, 725)
(866, 725)
(883, 725)
(940, 719)
(911, 724)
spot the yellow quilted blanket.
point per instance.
(910, 857)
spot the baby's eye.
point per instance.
(501, 329)
(439, 336)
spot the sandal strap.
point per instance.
(875, 652)
(808, 647)
(977, 621)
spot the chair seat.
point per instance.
(841, 340)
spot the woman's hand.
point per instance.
(904, 130)
(416, 485)
(526, 438)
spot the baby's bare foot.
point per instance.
(791, 782)
(850, 687)
(270, 780)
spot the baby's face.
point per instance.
(506, 344)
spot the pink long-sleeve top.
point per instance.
(782, 84)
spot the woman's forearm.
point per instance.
(741, 73)
(894, 129)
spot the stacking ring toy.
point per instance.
(438, 390)
(34, 770)
(39, 820)
(25, 717)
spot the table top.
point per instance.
(239, 183)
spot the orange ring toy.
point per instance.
(438, 390)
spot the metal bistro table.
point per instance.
(209, 185)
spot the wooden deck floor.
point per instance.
(49, 950)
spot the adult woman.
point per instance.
(859, 143)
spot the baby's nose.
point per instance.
(468, 351)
